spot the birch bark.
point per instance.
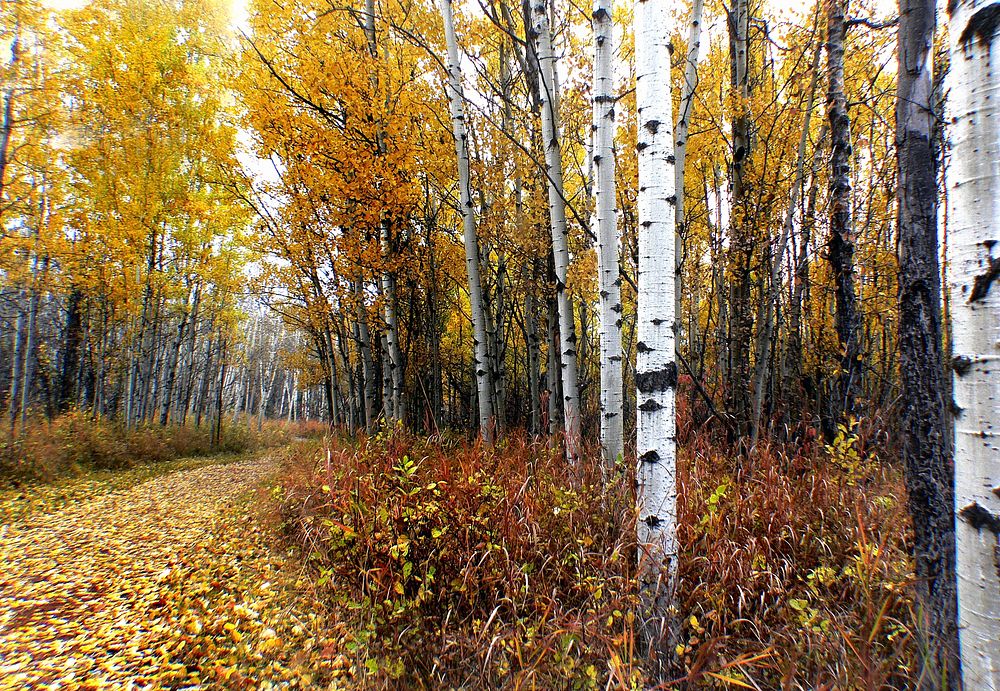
(456, 99)
(608, 237)
(656, 369)
(973, 233)
(557, 212)
(680, 141)
(394, 353)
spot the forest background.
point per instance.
(217, 215)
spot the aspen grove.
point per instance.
(499, 344)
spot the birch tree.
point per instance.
(656, 369)
(973, 233)
(608, 238)
(549, 96)
(456, 99)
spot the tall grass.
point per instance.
(450, 565)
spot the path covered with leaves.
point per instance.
(173, 583)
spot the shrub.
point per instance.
(460, 566)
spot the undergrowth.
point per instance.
(451, 565)
(76, 443)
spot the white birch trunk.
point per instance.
(560, 232)
(974, 231)
(394, 353)
(656, 369)
(608, 238)
(456, 99)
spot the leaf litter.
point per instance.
(172, 583)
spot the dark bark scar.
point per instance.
(983, 25)
(657, 380)
(979, 517)
(983, 282)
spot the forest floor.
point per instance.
(154, 580)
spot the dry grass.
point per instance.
(69, 445)
(450, 565)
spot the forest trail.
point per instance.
(170, 583)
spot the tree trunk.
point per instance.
(7, 125)
(394, 356)
(765, 335)
(171, 374)
(929, 476)
(365, 346)
(31, 343)
(793, 360)
(480, 363)
(608, 237)
(656, 368)
(739, 323)
(560, 231)
(680, 145)
(71, 350)
(841, 244)
(17, 355)
(974, 230)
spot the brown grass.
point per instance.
(451, 565)
(75, 443)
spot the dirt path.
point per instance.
(172, 583)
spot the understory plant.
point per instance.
(453, 565)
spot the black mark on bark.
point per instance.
(961, 364)
(657, 380)
(981, 286)
(983, 25)
(979, 518)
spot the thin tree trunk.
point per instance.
(7, 126)
(765, 336)
(17, 355)
(560, 231)
(974, 229)
(801, 268)
(608, 238)
(367, 363)
(680, 144)
(31, 343)
(171, 375)
(480, 363)
(841, 244)
(393, 355)
(71, 350)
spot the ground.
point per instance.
(175, 582)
